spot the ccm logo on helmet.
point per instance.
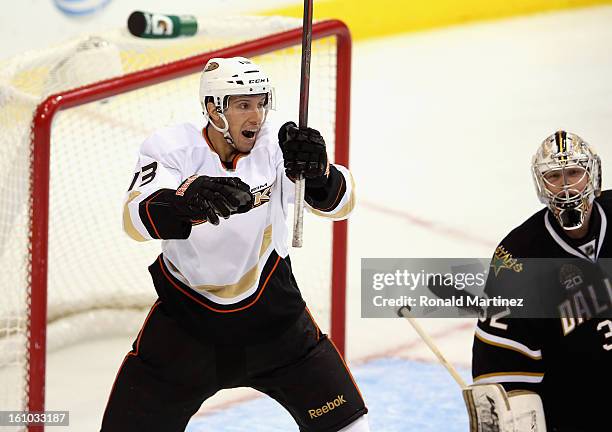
(258, 80)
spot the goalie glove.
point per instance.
(304, 154)
(203, 198)
(491, 409)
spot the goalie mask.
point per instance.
(567, 176)
(225, 77)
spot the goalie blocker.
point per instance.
(491, 409)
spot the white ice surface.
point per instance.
(444, 124)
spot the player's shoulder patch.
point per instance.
(504, 258)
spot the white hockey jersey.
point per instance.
(222, 263)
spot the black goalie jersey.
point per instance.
(567, 360)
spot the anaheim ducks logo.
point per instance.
(211, 66)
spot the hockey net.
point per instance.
(84, 278)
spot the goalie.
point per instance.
(229, 312)
(551, 373)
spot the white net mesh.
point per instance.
(98, 284)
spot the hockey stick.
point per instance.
(298, 208)
(404, 312)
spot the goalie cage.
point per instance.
(72, 119)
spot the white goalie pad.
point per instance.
(491, 409)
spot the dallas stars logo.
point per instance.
(502, 259)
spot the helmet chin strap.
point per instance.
(224, 130)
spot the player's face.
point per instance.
(573, 179)
(245, 116)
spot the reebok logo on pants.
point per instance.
(329, 406)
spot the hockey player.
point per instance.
(229, 312)
(563, 363)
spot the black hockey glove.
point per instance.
(203, 198)
(304, 154)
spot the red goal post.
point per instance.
(40, 178)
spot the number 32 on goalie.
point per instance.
(495, 319)
(148, 174)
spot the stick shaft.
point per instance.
(298, 215)
(433, 347)
(305, 65)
